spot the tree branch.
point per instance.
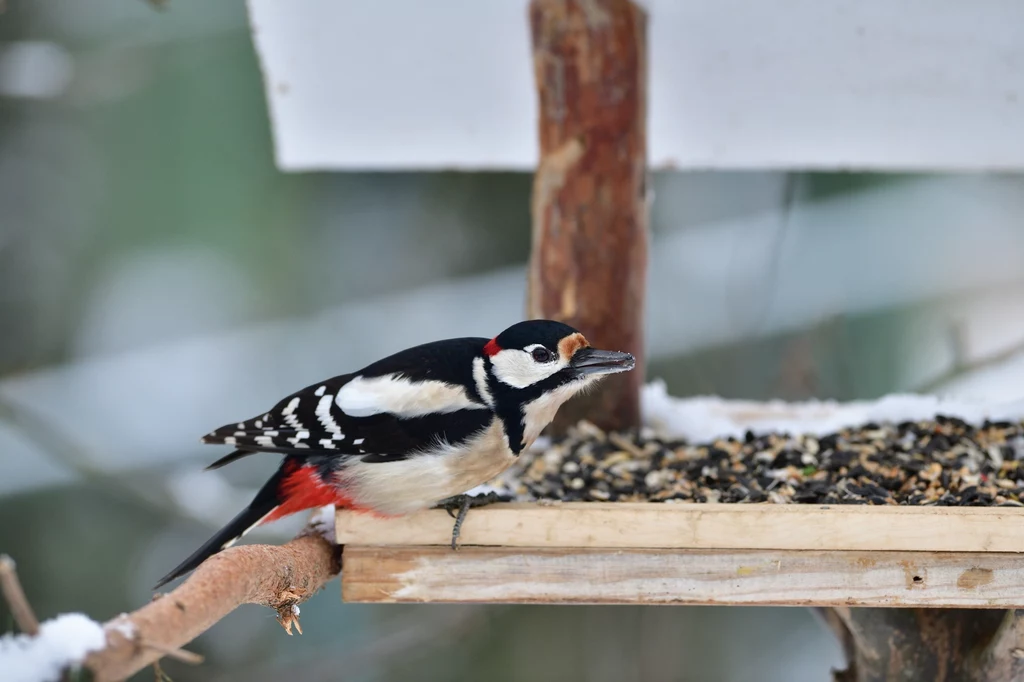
(66, 451)
(279, 577)
(1003, 657)
(895, 644)
(831, 619)
(10, 586)
(961, 367)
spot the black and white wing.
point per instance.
(375, 415)
(306, 420)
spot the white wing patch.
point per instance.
(301, 434)
(365, 396)
(480, 378)
(518, 369)
(289, 414)
(323, 413)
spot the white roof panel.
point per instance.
(883, 84)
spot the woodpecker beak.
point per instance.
(587, 361)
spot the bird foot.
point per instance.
(459, 505)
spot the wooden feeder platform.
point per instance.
(691, 553)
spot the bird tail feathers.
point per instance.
(262, 506)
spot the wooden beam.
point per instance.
(703, 526)
(589, 204)
(650, 576)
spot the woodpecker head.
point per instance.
(534, 366)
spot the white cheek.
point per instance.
(518, 368)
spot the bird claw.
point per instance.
(462, 504)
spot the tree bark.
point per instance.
(945, 645)
(278, 577)
(589, 205)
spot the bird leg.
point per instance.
(462, 504)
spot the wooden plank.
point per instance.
(649, 576)
(703, 526)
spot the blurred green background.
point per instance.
(147, 242)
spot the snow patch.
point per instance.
(705, 418)
(123, 625)
(62, 642)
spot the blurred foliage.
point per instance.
(159, 155)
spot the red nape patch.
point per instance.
(492, 348)
(301, 489)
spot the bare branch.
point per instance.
(15, 596)
(962, 367)
(831, 619)
(66, 451)
(1003, 657)
(975, 645)
(278, 577)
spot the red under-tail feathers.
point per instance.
(293, 488)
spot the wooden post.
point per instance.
(956, 645)
(589, 210)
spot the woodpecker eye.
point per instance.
(541, 354)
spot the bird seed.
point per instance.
(943, 462)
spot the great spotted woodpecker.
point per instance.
(412, 430)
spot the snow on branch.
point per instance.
(60, 643)
(44, 650)
(280, 577)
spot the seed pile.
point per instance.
(940, 462)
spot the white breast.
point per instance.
(420, 482)
(538, 413)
